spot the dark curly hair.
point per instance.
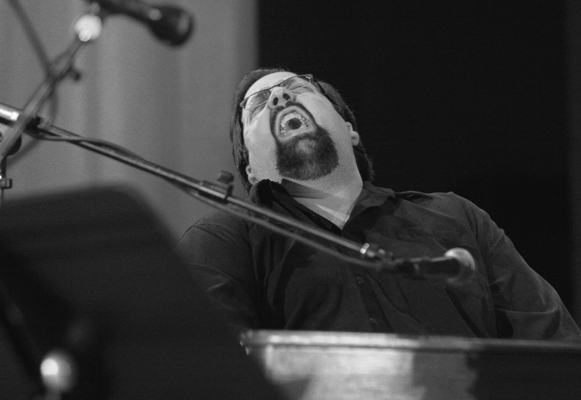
(239, 150)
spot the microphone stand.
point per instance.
(87, 29)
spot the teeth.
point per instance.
(288, 117)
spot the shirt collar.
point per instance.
(371, 196)
(266, 191)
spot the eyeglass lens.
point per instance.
(296, 84)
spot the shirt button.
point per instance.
(373, 321)
(360, 280)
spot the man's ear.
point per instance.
(251, 177)
(354, 135)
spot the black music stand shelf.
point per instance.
(94, 273)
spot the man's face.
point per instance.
(296, 134)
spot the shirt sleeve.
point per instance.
(218, 254)
(526, 305)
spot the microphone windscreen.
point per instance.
(467, 264)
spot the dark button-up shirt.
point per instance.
(261, 280)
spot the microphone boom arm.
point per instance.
(218, 195)
(455, 266)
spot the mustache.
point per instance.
(279, 109)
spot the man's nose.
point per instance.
(279, 96)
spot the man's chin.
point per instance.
(306, 144)
(306, 157)
(308, 169)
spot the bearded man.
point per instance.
(298, 152)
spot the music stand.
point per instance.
(94, 273)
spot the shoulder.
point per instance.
(455, 210)
(438, 201)
(444, 200)
(429, 198)
(442, 204)
(220, 219)
(217, 226)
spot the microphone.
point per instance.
(8, 114)
(8, 145)
(456, 266)
(170, 24)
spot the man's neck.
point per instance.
(331, 198)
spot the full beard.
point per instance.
(308, 156)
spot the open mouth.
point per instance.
(293, 123)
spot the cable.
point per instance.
(41, 54)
